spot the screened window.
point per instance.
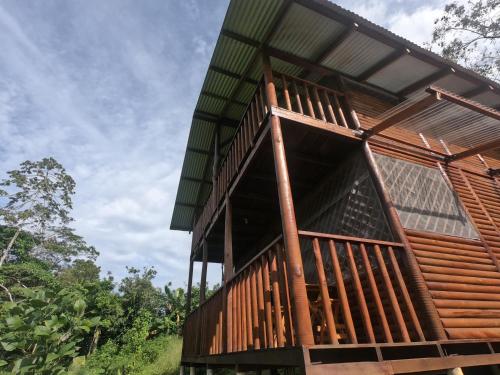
(423, 198)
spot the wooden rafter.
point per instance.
(403, 114)
(210, 117)
(382, 64)
(475, 150)
(426, 81)
(349, 30)
(219, 97)
(232, 74)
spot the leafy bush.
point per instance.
(40, 332)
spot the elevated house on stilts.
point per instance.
(348, 182)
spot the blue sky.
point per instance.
(108, 88)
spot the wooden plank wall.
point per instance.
(463, 275)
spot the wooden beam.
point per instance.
(467, 103)
(349, 30)
(426, 81)
(382, 64)
(210, 117)
(402, 115)
(475, 150)
(240, 38)
(192, 179)
(232, 74)
(190, 285)
(187, 204)
(203, 281)
(197, 150)
(219, 97)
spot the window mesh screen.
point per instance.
(423, 198)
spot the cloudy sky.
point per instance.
(108, 88)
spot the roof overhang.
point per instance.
(323, 39)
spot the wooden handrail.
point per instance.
(348, 238)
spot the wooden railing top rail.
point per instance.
(348, 238)
(310, 83)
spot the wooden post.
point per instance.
(415, 274)
(190, 285)
(290, 234)
(203, 282)
(228, 274)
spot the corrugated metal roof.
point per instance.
(304, 31)
(402, 73)
(356, 54)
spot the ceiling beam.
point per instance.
(232, 75)
(210, 117)
(240, 38)
(197, 150)
(426, 81)
(382, 64)
(463, 102)
(402, 115)
(488, 146)
(192, 179)
(219, 97)
(191, 205)
(349, 30)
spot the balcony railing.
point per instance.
(356, 288)
(294, 94)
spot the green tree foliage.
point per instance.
(469, 33)
(57, 314)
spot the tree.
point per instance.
(469, 34)
(38, 199)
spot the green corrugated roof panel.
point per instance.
(315, 34)
(232, 55)
(201, 135)
(210, 105)
(251, 18)
(194, 164)
(219, 84)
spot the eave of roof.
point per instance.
(328, 36)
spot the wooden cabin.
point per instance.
(348, 182)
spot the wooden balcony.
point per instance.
(298, 100)
(359, 296)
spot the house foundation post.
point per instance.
(300, 305)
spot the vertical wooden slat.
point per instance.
(263, 100)
(318, 103)
(392, 295)
(406, 295)
(243, 313)
(376, 294)
(297, 97)
(325, 295)
(248, 302)
(329, 107)
(286, 94)
(310, 107)
(277, 300)
(258, 110)
(341, 112)
(365, 315)
(238, 315)
(267, 303)
(346, 310)
(229, 320)
(255, 308)
(260, 305)
(283, 294)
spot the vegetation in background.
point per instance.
(469, 33)
(57, 315)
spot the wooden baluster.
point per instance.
(392, 296)
(238, 315)
(375, 293)
(325, 295)
(248, 296)
(341, 112)
(243, 313)
(319, 104)
(229, 319)
(255, 124)
(310, 107)
(346, 310)
(365, 315)
(286, 94)
(297, 97)
(255, 308)
(406, 295)
(246, 139)
(258, 110)
(256, 113)
(234, 338)
(260, 301)
(285, 297)
(263, 100)
(329, 107)
(267, 302)
(221, 328)
(277, 300)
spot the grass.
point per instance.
(168, 360)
